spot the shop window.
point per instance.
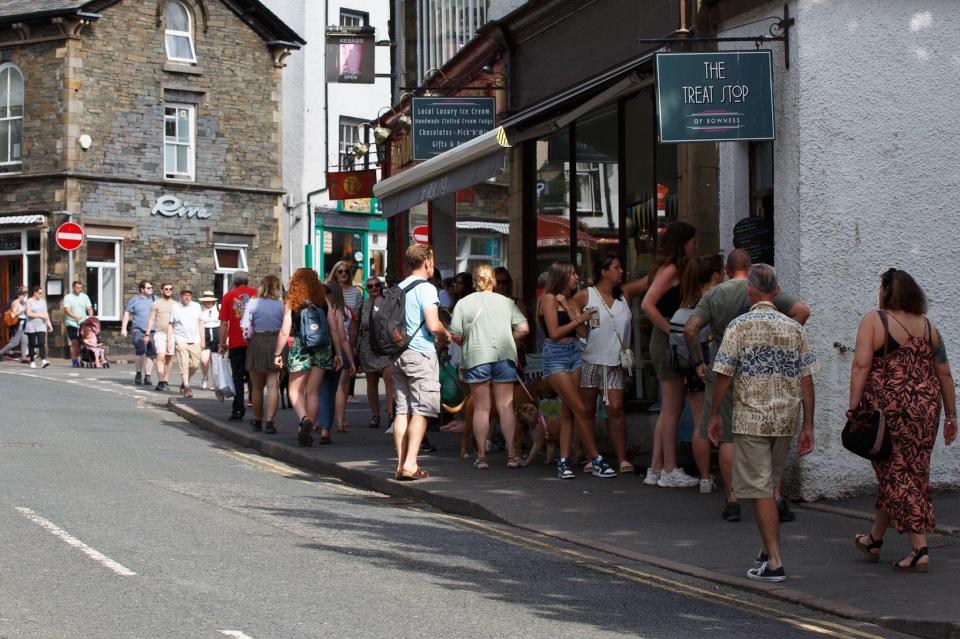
(11, 118)
(227, 260)
(598, 189)
(552, 170)
(474, 250)
(179, 33)
(342, 245)
(178, 141)
(761, 179)
(351, 18)
(350, 134)
(103, 277)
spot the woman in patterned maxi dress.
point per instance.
(910, 383)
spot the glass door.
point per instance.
(343, 244)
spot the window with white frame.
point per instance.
(227, 260)
(103, 276)
(351, 18)
(349, 136)
(179, 141)
(179, 33)
(474, 250)
(11, 118)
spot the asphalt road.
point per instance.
(118, 519)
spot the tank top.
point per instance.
(562, 318)
(669, 302)
(603, 343)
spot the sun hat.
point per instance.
(207, 296)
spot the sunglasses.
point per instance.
(372, 286)
(503, 282)
(341, 271)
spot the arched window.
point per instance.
(11, 118)
(179, 33)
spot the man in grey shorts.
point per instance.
(138, 310)
(416, 373)
(717, 308)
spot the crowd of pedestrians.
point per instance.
(725, 339)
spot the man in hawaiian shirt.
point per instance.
(768, 358)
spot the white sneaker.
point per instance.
(44, 363)
(33, 364)
(707, 486)
(389, 430)
(677, 479)
(203, 384)
(652, 478)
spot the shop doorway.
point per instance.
(343, 244)
(11, 277)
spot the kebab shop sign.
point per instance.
(172, 206)
(715, 97)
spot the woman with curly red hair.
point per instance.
(305, 368)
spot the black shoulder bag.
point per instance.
(865, 433)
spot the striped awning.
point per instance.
(496, 227)
(20, 220)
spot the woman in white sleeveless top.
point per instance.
(610, 331)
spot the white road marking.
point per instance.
(70, 540)
(236, 634)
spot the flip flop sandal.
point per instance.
(375, 421)
(417, 474)
(867, 549)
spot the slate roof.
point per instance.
(258, 16)
(22, 8)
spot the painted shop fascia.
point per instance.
(157, 127)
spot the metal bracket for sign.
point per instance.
(782, 25)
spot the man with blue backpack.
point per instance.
(406, 325)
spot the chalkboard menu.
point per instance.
(755, 236)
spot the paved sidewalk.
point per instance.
(673, 528)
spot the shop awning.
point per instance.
(497, 227)
(470, 163)
(20, 220)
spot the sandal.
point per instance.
(341, 428)
(417, 474)
(255, 424)
(304, 438)
(480, 463)
(375, 421)
(914, 565)
(867, 549)
(513, 461)
(626, 468)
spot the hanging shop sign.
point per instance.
(441, 124)
(172, 206)
(715, 97)
(367, 205)
(350, 185)
(350, 54)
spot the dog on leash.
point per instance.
(526, 409)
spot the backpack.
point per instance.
(679, 353)
(314, 329)
(388, 321)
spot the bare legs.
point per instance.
(665, 431)
(408, 432)
(340, 406)
(304, 391)
(881, 521)
(502, 397)
(270, 381)
(701, 445)
(575, 413)
(768, 521)
(616, 420)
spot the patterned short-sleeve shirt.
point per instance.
(767, 354)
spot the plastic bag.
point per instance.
(451, 391)
(221, 377)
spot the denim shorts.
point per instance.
(139, 348)
(559, 357)
(502, 372)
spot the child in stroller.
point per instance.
(92, 352)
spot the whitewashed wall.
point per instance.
(867, 176)
(309, 147)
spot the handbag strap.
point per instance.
(466, 333)
(886, 346)
(613, 318)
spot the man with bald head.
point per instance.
(717, 308)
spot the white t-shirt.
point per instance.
(210, 317)
(186, 322)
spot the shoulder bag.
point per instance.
(627, 360)
(866, 433)
(466, 335)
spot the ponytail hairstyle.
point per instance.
(697, 274)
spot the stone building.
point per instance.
(155, 125)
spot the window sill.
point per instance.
(182, 67)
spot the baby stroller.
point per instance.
(92, 352)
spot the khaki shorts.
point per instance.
(726, 411)
(188, 358)
(416, 384)
(758, 464)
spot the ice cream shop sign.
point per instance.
(172, 206)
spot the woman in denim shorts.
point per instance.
(487, 326)
(563, 321)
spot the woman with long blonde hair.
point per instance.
(306, 368)
(261, 321)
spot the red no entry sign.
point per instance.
(69, 236)
(421, 234)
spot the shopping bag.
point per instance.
(222, 377)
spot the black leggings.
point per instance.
(35, 339)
